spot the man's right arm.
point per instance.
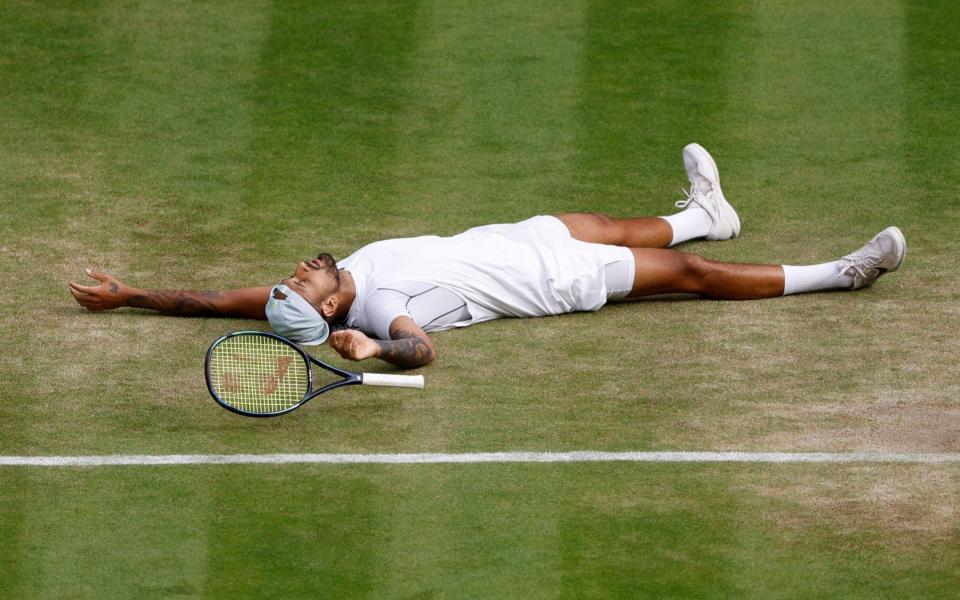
(245, 303)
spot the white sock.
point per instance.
(812, 278)
(689, 224)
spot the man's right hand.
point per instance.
(110, 293)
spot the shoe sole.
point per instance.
(696, 159)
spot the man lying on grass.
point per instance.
(384, 298)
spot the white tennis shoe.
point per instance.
(705, 192)
(883, 254)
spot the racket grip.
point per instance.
(410, 381)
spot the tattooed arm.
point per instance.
(409, 347)
(245, 303)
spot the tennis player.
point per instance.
(385, 298)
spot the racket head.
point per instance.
(258, 374)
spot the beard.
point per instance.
(330, 266)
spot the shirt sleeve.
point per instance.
(383, 306)
(432, 307)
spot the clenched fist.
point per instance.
(354, 345)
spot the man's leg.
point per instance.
(660, 271)
(670, 272)
(638, 232)
(706, 214)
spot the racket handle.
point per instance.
(410, 381)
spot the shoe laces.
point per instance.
(860, 262)
(690, 197)
(696, 196)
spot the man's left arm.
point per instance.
(409, 346)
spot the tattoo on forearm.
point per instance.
(406, 349)
(186, 303)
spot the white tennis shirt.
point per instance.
(529, 269)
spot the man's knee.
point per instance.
(589, 226)
(594, 219)
(695, 271)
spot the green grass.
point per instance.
(203, 145)
(525, 531)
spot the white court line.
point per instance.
(480, 457)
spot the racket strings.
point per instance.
(258, 374)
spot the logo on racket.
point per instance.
(274, 379)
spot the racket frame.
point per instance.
(349, 378)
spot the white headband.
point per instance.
(294, 318)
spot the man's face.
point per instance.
(315, 279)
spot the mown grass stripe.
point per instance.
(480, 457)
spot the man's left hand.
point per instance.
(353, 344)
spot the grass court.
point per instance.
(208, 145)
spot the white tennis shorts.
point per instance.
(584, 266)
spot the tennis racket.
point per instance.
(260, 374)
